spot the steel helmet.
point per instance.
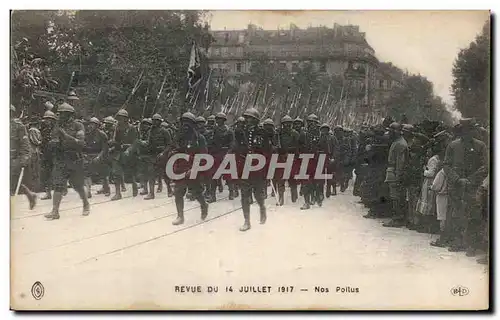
(109, 120)
(72, 95)
(298, 120)
(286, 119)
(395, 126)
(221, 115)
(313, 117)
(94, 120)
(48, 105)
(156, 116)
(240, 119)
(164, 124)
(200, 119)
(49, 115)
(252, 112)
(211, 118)
(122, 113)
(65, 107)
(268, 122)
(188, 116)
(325, 125)
(12, 108)
(147, 120)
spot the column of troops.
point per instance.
(427, 177)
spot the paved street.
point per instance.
(128, 255)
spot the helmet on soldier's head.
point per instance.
(109, 120)
(395, 127)
(200, 119)
(164, 124)
(221, 115)
(240, 119)
(313, 117)
(49, 115)
(122, 113)
(338, 129)
(253, 113)
(298, 120)
(12, 108)
(65, 107)
(147, 121)
(268, 122)
(286, 119)
(156, 116)
(48, 105)
(325, 125)
(189, 117)
(94, 120)
(408, 128)
(211, 118)
(72, 95)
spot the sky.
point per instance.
(423, 42)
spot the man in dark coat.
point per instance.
(396, 165)
(465, 165)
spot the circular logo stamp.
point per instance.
(37, 290)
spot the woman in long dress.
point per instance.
(426, 205)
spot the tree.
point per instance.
(471, 78)
(415, 98)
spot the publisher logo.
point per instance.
(459, 291)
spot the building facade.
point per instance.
(339, 51)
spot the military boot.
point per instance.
(246, 226)
(263, 215)
(135, 190)
(48, 194)
(293, 191)
(118, 193)
(179, 203)
(151, 194)
(307, 201)
(281, 199)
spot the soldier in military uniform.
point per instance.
(211, 122)
(190, 142)
(465, 165)
(142, 150)
(68, 141)
(329, 139)
(123, 137)
(47, 125)
(220, 142)
(19, 156)
(108, 127)
(159, 139)
(272, 144)
(249, 140)
(310, 143)
(396, 166)
(298, 125)
(288, 144)
(96, 148)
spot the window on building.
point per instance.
(238, 67)
(224, 50)
(295, 67)
(282, 65)
(381, 84)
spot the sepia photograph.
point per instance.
(185, 160)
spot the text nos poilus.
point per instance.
(264, 289)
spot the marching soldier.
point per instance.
(189, 142)
(272, 141)
(222, 138)
(309, 142)
(123, 137)
(298, 125)
(288, 144)
(96, 147)
(68, 140)
(48, 124)
(141, 149)
(159, 139)
(108, 128)
(19, 156)
(211, 122)
(329, 141)
(251, 140)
